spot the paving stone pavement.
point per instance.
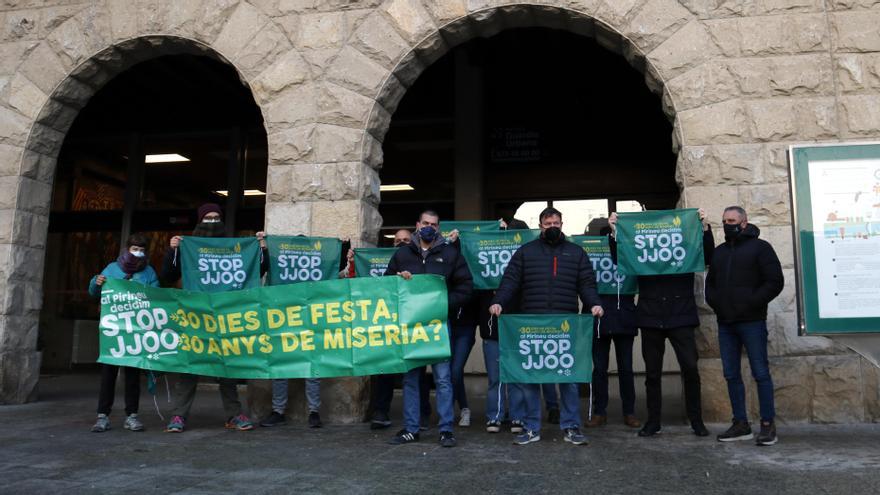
(46, 447)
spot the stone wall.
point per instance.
(741, 80)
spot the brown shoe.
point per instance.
(597, 420)
(631, 421)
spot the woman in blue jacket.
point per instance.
(131, 265)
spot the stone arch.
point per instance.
(659, 38)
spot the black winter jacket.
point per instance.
(441, 259)
(744, 277)
(667, 301)
(547, 279)
(617, 321)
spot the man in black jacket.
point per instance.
(546, 276)
(430, 253)
(744, 277)
(667, 309)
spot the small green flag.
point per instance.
(488, 253)
(294, 259)
(660, 242)
(219, 264)
(372, 262)
(546, 348)
(608, 279)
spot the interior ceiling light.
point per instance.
(247, 192)
(395, 187)
(165, 158)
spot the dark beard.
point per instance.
(209, 230)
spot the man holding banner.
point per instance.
(429, 253)
(664, 249)
(546, 276)
(209, 263)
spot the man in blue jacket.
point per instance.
(745, 275)
(547, 275)
(429, 253)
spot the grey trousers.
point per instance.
(185, 392)
(279, 395)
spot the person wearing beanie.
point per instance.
(210, 224)
(131, 265)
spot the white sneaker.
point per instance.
(465, 417)
(133, 423)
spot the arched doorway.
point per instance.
(157, 140)
(504, 125)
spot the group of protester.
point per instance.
(549, 275)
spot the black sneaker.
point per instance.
(447, 439)
(650, 429)
(553, 416)
(699, 428)
(767, 436)
(516, 427)
(739, 430)
(403, 437)
(493, 426)
(380, 421)
(273, 419)
(574, 436)
(315, 420)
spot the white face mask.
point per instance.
(210, 220)
(138, 254)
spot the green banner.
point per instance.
(660, 242)
(608, 278)
(488, 253)
(546, 348)
(348, 327)
(294, 259)
(446, 227)
(219, 264)
(372, 262)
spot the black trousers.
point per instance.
(108, 389)
(685, 347)
(383, 392)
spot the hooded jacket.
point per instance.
(744, 277)
(440, 259)
(547, 278)
(147, 276)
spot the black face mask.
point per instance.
(732, 231)
(552, 235)
(203, 229)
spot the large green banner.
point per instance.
(608, 278)
(346, 327)
(446, 227)
(660, 242)
(220, 264)
(488, 253)
(546, 348)
(294, 259)
(372, 262)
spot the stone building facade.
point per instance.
(740, 80)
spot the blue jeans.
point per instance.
(411, 400)
(752, 335)
(569, 412)
(462, 342)
(623, 349)
(279, 394)
(496, 391)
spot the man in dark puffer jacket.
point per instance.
(667, 309)
(744, 277)
(546, 276)
(429, 253)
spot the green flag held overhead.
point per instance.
(488, 253)
(294, 259)
(608, 279)
(660, 242)
(372, 262)
(546, 348)
(349, 327)
(446, 227)
(219, 264)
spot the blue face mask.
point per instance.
(427, 233)
(138, 254)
